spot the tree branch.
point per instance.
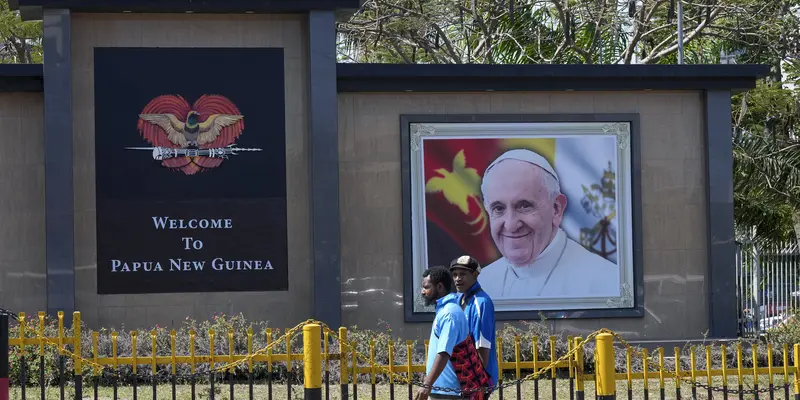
(688, 38)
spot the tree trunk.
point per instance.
(796, 221)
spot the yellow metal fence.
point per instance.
(694, 367)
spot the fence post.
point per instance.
(344, 379)
(606, 379)
(312, 361)
(797, 371)
(76, 348)
(4, 356)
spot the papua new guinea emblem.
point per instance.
(191, 138)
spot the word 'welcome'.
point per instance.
(203, 223)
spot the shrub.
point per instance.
(788, 332)
(361, 338)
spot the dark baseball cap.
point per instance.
(466, 262)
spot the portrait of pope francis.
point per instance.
(522, 197)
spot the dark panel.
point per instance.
(391, 77)
(21, 70)
(636, 207)
(30, 13)
(209, 218)
(10, 84)
(324, 158)
(205, 6)
(645, 71)
(533, 77)
(59, 203)
(719, 205)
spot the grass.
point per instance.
(401, 392)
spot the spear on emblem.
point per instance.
(163, 153)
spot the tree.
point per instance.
(20, 42)
(565, 31)
(766, 152)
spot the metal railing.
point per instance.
(768, 285)
(601, 364)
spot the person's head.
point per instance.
(465, 270)
(436, 283)
(522, 196)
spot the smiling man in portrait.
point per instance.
(523, 199)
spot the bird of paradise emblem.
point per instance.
(191, 138)
(458, 187)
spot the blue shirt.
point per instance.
(449, 328)
(479, 310)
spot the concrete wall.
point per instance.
(22, 266)
(673, 195)
(175, 30)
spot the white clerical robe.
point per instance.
(563, 269)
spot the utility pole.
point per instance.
(680, 32)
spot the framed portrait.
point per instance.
(548, 205)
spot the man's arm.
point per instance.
(486, 331)
(439, 363)
(483, 352)
(444, 348)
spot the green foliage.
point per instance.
(791, 70)
(21, 41)
(771, 110)
(766, 153)
(788, 332)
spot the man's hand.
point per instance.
(483, 353)
(422, 394)
(439, 363)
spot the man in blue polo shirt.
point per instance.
(479, 308)
(449, 329)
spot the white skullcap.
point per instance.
(526, 156)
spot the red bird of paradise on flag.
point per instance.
(456, 220)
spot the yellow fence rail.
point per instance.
(602, 361)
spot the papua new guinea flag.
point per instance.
(457, 223)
